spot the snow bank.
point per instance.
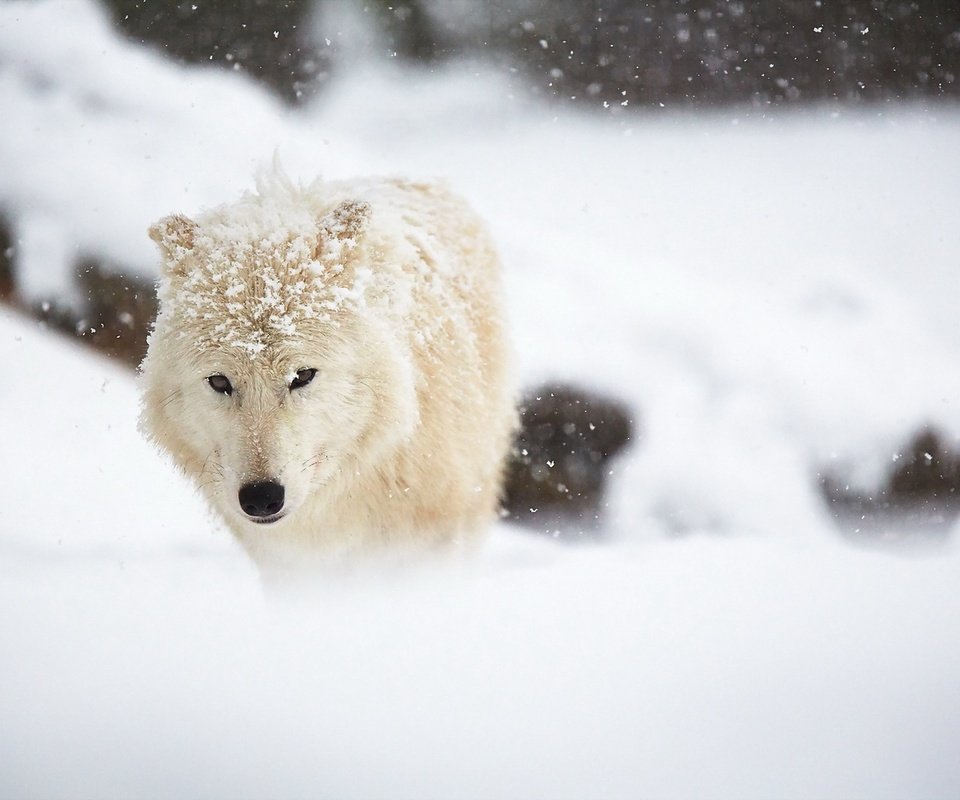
(141, 659)
(74, 459)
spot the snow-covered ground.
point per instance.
(140, 658)
(774, 297)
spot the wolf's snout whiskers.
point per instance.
(169, 398)
(314, 461)
(211, 472)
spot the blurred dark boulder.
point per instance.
(267, 39)
(561, 457)
(6, 261)
(920, 496)
(927, 469)
(122, 307)
(116, 316)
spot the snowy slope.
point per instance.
(141, 659)
(773, 297)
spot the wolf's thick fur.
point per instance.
(391, 291)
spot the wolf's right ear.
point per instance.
(341, 229)
(175, 235)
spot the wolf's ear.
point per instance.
(341, 228)
(174, 235)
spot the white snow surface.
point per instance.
(773, 296)
(142, 659)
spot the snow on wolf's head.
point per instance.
(272, 369)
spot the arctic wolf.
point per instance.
(330, 366)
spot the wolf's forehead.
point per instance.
(240, 247)
(255, 293)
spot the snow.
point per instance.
(142, 658)
(774, 297)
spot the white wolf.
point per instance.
(330, 366)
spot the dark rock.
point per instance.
(928, 469)
(117, 314)
(920, 497)
(6, 261)
(556, 472)
(122, 306)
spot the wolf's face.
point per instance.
(267, 377)
(262, 434)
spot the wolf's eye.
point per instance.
(220, 383)
(304, 376)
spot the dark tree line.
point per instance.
(620, 52)
(701, 52)
(269, 39)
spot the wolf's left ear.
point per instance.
(174, 234)
(341, 228)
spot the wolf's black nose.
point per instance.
(261, 499)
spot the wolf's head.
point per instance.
(273, 370)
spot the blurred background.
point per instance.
(730, 240)
(618, 119)
(622, 60)
(633, 158)
(700, 54)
